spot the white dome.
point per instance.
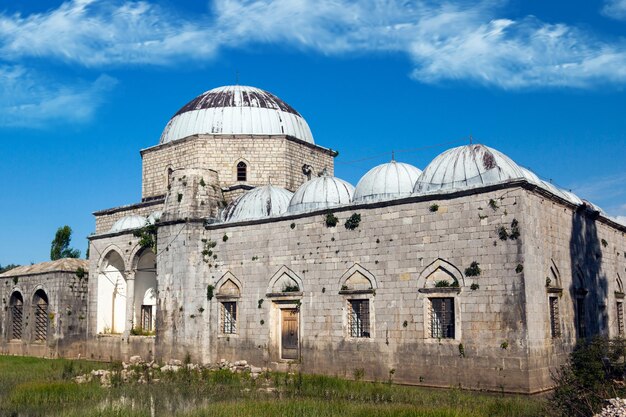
(258, 203)
(237, 109)
(465, 167)
(564, 194)
(154, 217)
(386, 182)
(128, 223)
(320, 193)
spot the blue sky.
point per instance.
(85, 84)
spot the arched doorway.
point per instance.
(40, 312)
(16, 326)
(111, 310)
(144, 304)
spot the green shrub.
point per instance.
(331, 220)
(353, 221)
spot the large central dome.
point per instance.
(237, 109)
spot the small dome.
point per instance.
(620, 219)
(386, 182)
(128, 223)
(258, 203)
(465, 167)
(154, 217)
(320, 193)
(236, 109)
(564, 194)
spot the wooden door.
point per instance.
(289, 337)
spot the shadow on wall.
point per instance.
(589, 287)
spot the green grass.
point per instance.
(40, 387)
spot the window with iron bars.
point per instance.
(580, 317)
(442, 318)
(555, 320)
(620, 318)
(229, 317)
(242, 171)
(359, 318)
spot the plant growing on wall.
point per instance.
(604, 243)
(433, 208)
(442, 284)
(473, 270)
(331, 220)
(147, 236)
(207, 250)
(209, 292)
(291, 288)
(474, 286)
(519, 268)
(493, 204)
(353, 221)
(80, 272)
(503, 234)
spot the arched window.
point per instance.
(17, 309)
(242, 171)
(40, 310)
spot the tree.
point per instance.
(61, 245)
(7, 268)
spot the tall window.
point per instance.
(359, 318)
(146, 318)
(229, 317)
(442, 318)
(17, 309)
(620, 318)
(242, 171)
(580, 317)
(555, 321)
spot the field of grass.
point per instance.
(41, 387)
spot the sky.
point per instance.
(86, 84)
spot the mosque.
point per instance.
(473, 272)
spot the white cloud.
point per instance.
(28, 99)
(615, 9)
(462, 40)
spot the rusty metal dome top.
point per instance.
(236, 109)
(465, 167)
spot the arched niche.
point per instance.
(228, 286)
(554, 275)
(357, 278)
(40, 307)
(285, 281)
(16, 316)
(439, 272)
(111, 294)
(145, 291)
(619, 285)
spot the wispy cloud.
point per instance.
(457, 40)
(28, 99)
(608, 192)
(615, 9)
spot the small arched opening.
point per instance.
(111, 306)
(16, 306)
(40, 312)
(242, 171)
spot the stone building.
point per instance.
(44, 309)
(472, 273)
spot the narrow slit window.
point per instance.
(359, 319)
(442, 318)
(620, 318)
(242, 171)
(555, 321)
(580, 317)
(229, 317)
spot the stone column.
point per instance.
(130, 301)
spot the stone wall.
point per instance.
(67, 314)
(400, 246)
(278, 158)
(569, 253)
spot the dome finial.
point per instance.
(237, 77)
(393, 156)
(470, 138)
